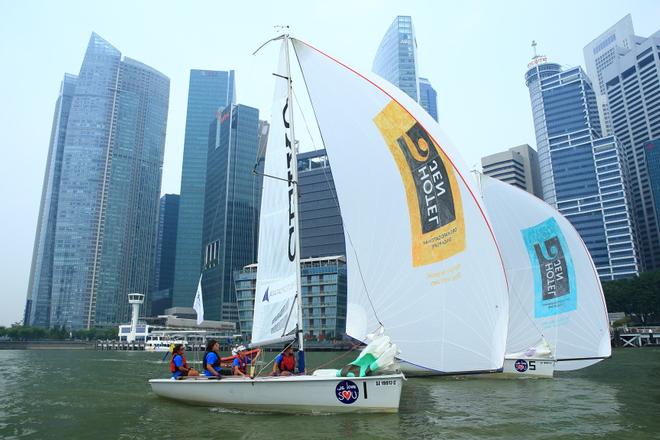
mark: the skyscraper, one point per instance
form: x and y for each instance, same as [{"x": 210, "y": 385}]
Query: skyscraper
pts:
[
  {"x": 37, "y": 308},
  {"x": 518, "y": 166},
  {"x": 396, "y": 58},
  {"x": 321, "y": 228},
  {"x": 428, "y": 98},
  {"x": 231, "y": 206},
  {"x": 583, "y": 174},
  {"x": 632, "y": 83},
  {"x": 107, "y": 203},
  {"x": 163, "y": 282},
  {"x": 653, "y": 164},
  {"x": 601, "y": 53},
  {"x": 208, "y": 91}
]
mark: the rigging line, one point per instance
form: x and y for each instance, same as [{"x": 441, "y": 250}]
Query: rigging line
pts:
[
  {"x": 334, "y": 196},
  {"x": 275, "y": 357}
]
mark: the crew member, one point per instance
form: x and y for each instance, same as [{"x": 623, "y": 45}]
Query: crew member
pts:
[
  {"x": 178, "y": 365},
  {"x": 285, "y": 362},
  {"x": 239, "y": 366},
  {"x": 211, "y": 362}
]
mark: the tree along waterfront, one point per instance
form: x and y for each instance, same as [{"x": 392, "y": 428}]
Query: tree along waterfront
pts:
[
  {"x": 25, "y": 333},
  {"x": 638, "y": 297}
]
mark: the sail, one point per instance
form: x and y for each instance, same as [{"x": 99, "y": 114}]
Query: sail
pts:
[
  {"x": 275, "y": 309},
  {"x": 555, "y": 293},
  {"x": 421, "y": 258}
]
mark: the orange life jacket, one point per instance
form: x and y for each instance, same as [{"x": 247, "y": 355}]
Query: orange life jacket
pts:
[
  {"x": 173, "y": 367},
  {"x": 287, "y": 363}
]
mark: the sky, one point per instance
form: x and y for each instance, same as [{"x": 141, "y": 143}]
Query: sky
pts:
[{"x": 474, "y": 53}]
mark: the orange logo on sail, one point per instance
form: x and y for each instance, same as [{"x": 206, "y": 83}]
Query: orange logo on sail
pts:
[{"x": 434, "y": 201}]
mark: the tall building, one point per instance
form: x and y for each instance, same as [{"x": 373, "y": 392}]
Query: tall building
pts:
[
  {"x": 208, "y": 91},
  {"x": 231, "y": 206},
  {"x": 104, "y": 237},
  {"x": 37, "y": 308},
  {"x": 582, "y": 173},
  {"x": 323, "y": 284},
  {"x": 601, "y": 53},
  {"x": 163, "y": 282},
  {"x": 653, "y": 163},
  {"x": 518, "y": 166},
  {"x": 321, "y": 228},
  {"x": 428, "y": 98},
  {"x": 632, "y": 83},
  {"x": 396, "y": 61}
]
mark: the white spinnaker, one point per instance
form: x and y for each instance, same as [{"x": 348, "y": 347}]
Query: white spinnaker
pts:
[
  {"x": 275, "y": 312},
  {"x": 446, "y": 309},
  {"x": 581, "y": 331}
]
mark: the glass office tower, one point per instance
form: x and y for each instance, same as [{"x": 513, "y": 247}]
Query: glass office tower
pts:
[
  {"x": 163, "y": 281},
  {"x": 583, "y": 174},
  {"x": 428, "y": 98},
  {"x": 208, "y": 91},
  {"x": 231, "y": 206}
]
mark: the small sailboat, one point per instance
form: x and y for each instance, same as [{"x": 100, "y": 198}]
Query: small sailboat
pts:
[
  {"x": 278, "y": 308},
  {"x": 557, "y": 313}
]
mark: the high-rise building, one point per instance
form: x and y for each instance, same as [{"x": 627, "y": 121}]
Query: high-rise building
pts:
[
  {"x": 231, "y": 206},
  {"x": 632, "y": 83},
  {"x": 321, "y": 228},
  {"x": 208, "y": 91},
  {"x": 37, "y": 308},
  {"x": 323, "y": 284},
  {"x": 518, "y": 166},
  {"x": 653, "y": 164},
  {"x": 163, "y": 282},
  {"x": 107, "y": 202},
  {"x": 601, "y": 53},
  {"x": 583, "y": 174},
  {"x": 396, "y": 58},
  {"x": 428, "y": 98}
]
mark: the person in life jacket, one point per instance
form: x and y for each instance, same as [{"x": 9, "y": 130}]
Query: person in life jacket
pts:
[
  {"x": 239, "y": 366},
  {"x": 211, "y": 362},
  {"x": 178, "y": 365},
  {"x": 285, "y": 362}
]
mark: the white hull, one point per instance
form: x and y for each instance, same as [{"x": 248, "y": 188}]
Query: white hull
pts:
[
  {"x": 299, "y": 394},
  {"x": 528, "y": 367}
]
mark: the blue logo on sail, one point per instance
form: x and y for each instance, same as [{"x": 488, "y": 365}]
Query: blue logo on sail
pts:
[
  {"x": 555, "y": 291},
  {"x": 265, "y": 298}
]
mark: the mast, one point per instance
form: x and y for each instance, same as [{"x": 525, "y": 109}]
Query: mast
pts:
[{"x": 296, "y": 224}]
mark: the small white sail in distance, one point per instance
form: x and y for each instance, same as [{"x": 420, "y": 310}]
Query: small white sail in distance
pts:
[
  {"x": 555, "y": 292},
  {"x": 198, "y": 303},
  {"x": 417, "y": 237},
  {"x": 275, "y": 309}
]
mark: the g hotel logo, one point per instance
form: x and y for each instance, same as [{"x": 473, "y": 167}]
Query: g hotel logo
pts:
[{"x": 434, "y": 202}]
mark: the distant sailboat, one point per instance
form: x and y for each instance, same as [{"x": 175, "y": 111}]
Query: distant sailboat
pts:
[{"x": 557, "y": 312}]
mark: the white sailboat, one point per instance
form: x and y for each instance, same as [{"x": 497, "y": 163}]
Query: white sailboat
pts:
[{"x": 558, "y": 317}]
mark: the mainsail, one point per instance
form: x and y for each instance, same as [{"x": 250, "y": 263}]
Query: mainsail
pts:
[
  {"x": 275, "y": 308},
  {"x": 422, "y": 260},
  {"x": 555, "y": 293}
]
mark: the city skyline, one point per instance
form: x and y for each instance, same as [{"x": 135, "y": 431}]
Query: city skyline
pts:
[{"x": 500, "y": 126}]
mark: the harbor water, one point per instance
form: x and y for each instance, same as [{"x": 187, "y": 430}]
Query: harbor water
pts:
[{"x": 74, "y": 394}]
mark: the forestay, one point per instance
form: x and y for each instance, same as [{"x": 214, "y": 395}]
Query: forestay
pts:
[
  {"x": 555, "y": 292},
  {"x": 418, "y": 243},
  {"x": 275, "y": 309}
]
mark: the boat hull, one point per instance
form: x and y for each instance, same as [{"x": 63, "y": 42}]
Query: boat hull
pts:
[
  {"x": 297, "y": 394},
  {"x": 526, "y": 367}
]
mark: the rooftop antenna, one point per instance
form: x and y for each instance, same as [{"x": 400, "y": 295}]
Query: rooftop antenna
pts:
[{"x": 534, "y": 48}]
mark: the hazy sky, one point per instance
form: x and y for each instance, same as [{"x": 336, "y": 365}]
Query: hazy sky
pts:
[{"x": 474, "y": 53}]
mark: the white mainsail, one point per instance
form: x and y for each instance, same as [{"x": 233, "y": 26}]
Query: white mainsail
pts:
[
  {"x": 555, "y": 293},
  {"x": 275, "y": 308},
  {"x": 420, "y": 251}
]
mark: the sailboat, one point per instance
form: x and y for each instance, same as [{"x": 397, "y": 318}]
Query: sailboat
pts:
[{"x": 557, "y": 313}]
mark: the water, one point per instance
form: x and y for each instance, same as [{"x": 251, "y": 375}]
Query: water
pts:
[{"x": 62, "y": 394}]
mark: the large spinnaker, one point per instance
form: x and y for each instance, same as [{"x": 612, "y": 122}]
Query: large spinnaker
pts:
[
  {"x": 419, "y": 248},
  {"x": 275, "y": 309},
  {"x": 555, "y": 292}
]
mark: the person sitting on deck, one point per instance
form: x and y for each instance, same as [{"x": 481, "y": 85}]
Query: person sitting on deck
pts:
[
  {"x": 178, "y": 365},
  {"x": 285, "y": 362},
  {"x": 211, "y": 362},
  {"x": 239, "y": 366}
]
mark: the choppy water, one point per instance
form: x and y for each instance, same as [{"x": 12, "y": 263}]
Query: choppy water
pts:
[{"x": 62, "y": 394}]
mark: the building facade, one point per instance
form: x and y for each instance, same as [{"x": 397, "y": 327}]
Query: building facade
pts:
[
  {"x": 163, "y": 282},
  {"x": 602, "y": 53},
  {"x": 428, "y": 98},
  {"x": 582, "y": 173},
  {"x": 653, "y": 163},
  {"x": 37, "y": 307},
  {"x": 517, "y": 166},
  {"x": 323, "y": 283},
  {"x": 321, "y": 228},
  {"x": 396, "y": 57},
  {"x": 208, "y": 91},
  {"x": 231, "y": 206},
  {"x": 107, "y": 201},
  {"x": 633, "y": 93}
]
